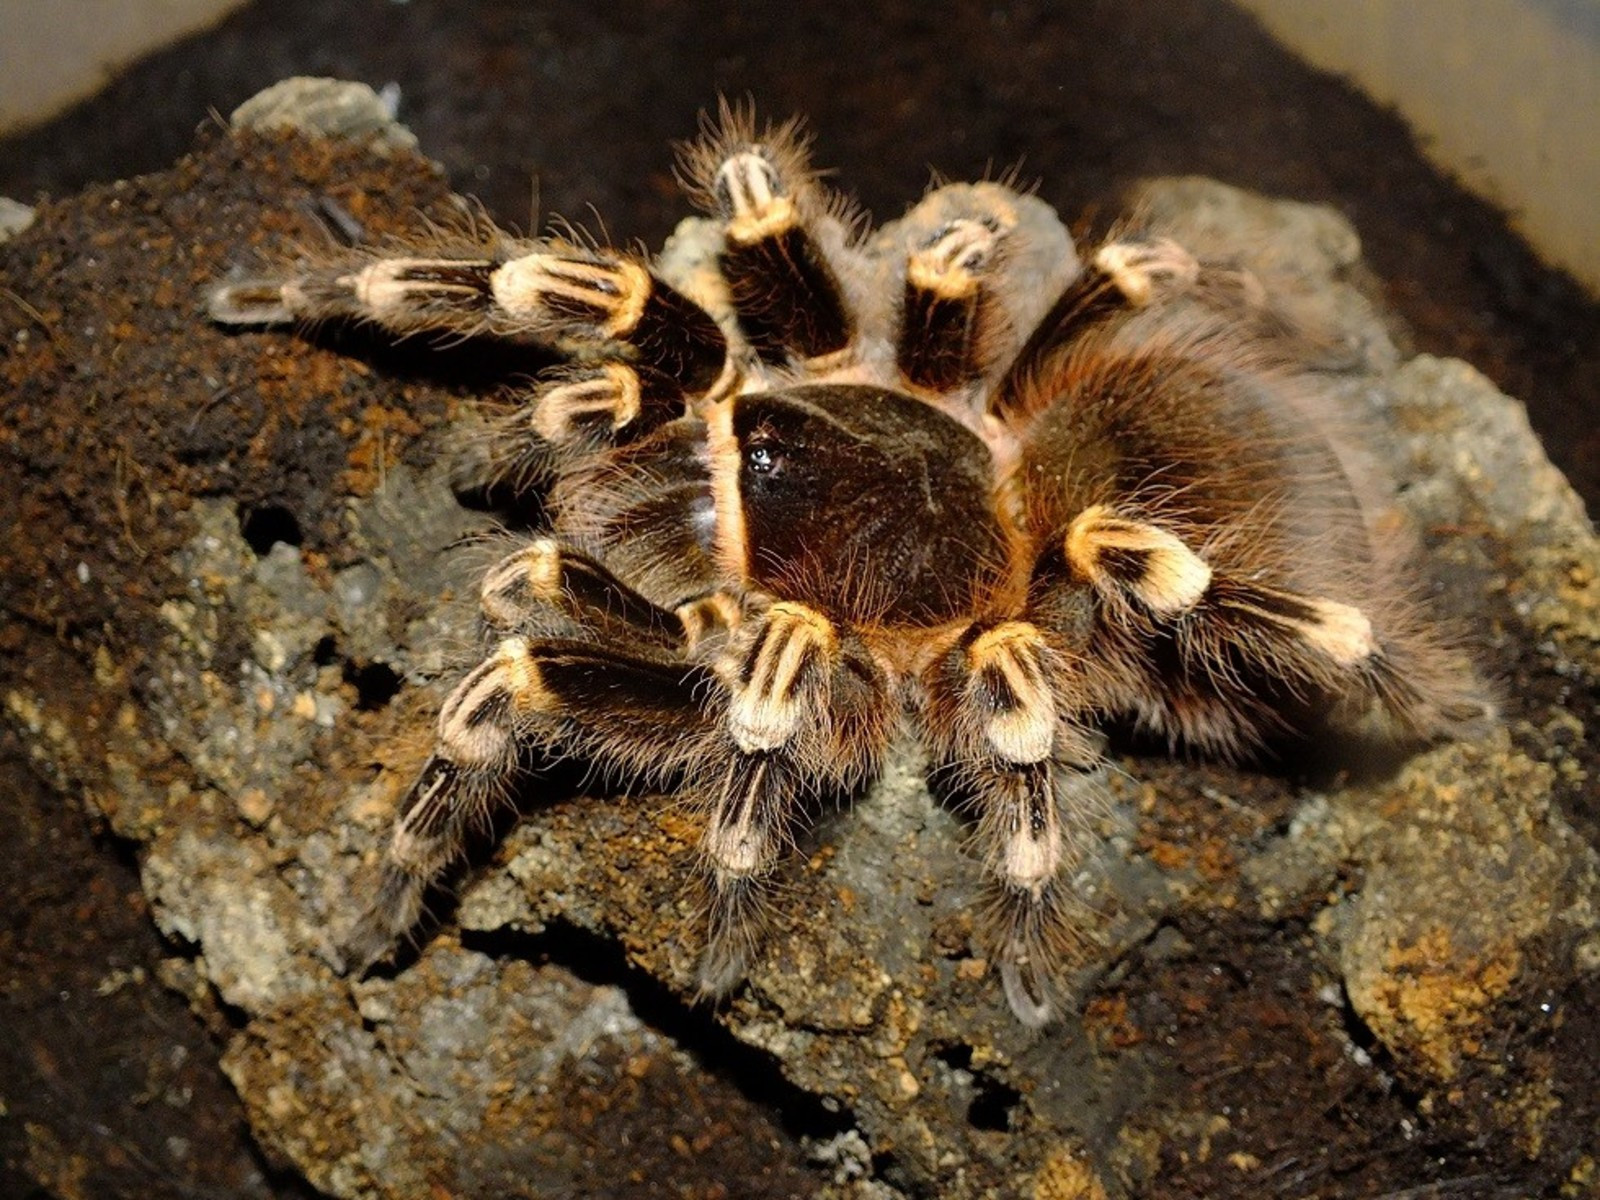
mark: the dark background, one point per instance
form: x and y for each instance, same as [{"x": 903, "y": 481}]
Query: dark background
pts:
[{"x": 578, "y": 103}]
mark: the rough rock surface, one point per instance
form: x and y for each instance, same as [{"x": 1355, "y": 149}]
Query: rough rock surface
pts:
[
  {"x": 14, "y": 218},
  {"x": 329, "y": 107},
  {"x": 236, "y": 588}
]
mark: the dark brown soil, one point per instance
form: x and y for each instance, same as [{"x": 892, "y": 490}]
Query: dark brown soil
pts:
[
  {"x": 111, "y": 1086},
  {"x": 583, "y": 100},
  {"x": 1277, "y": 1062}
]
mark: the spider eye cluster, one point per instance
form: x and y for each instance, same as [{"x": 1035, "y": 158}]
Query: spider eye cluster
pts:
[{"x": 762, "y": 457}]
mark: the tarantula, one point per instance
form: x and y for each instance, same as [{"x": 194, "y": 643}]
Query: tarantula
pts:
[{"x": 825, "y": 484}]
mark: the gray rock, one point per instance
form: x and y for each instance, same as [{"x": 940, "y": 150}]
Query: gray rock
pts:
[
  {"x": 14, "y": 218},
  {"x": 328, "y": 108}
]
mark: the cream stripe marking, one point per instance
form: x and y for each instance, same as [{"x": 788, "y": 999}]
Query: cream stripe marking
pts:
[
  {"x": 1174, "y": 578},
  {"x": 1341, "y": 631},
  {"x": 621, "y": 288},
  {"x": 615, "y": 393},
  {"x": 381, "y": 288},
  {"x": 759, "y": 209},
  {"x": 734, "y": 846},
  {"x": 1137, "y": 267},
  {"x": 765, "y": 712},
  {"x": 949, "y": 267},
  {"x": 538, "y": 566},
  {"x": 1026, "y": 733},
  {"x": 1033, "y": 858},
  {"x": 528, "y": 692},
  {"x": 706, "y": 615},
  {"x": 724, "y": 462}
]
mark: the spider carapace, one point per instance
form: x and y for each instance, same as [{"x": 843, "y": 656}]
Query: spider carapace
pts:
[{"x": 813, "y": 487}]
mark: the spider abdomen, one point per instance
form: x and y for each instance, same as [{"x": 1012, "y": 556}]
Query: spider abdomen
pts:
[{"x": 1203, "y": 540}]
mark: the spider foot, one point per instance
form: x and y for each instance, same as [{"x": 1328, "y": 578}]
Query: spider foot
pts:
[
  {"x": 389, "y": 917},
  {"x": 1035, "y": 935},
  {"x": 735, "y": 917},
  {"x": 1145, "y": 270}
]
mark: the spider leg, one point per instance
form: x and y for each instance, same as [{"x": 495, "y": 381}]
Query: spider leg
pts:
[
  {"x": 1214, "y": 655},
  {"x": 549, "y": 290},
  {"x": 643, "y": 507},
  {"x": 643, "y": 713},
  {"x": 548, "y": 589},
  {"x": 808, "y": 709},
  {"x": 783, "y": 245},
  {"x": 1123, "y": 276},
  {"x": 558, "y": 678},
  {"x": 572, "y": 412},
  {"x": 995, "y": 715},
  {"x": 643, "y": 351},
  {"x": 952, "y": 322}
]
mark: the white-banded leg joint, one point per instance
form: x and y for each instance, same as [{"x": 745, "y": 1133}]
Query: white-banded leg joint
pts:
[
  {"x": 951, "y": 264},
  {"x": 1143, "y": 270},
  {"x": 753, "y": 197}
]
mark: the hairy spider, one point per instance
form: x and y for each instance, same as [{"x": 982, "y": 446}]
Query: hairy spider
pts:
[{"x": 827, "y": 484}]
